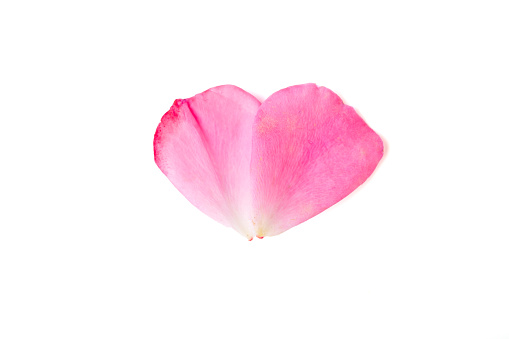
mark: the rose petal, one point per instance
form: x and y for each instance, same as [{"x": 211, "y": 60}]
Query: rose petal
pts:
[
  {"x": 203, "y": 145},
  {"x": 309, "y": 151}
]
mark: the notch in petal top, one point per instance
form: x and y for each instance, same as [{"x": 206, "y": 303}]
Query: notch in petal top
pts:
[
  {"x": 203, "y": 145},
  {"x": 309, "y": 151}
]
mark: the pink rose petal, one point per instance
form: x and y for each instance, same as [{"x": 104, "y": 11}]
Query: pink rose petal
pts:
[
  {"x": 203, "y": 145},
  {"x": 264, "y": 168},
  {"x": 309, "y": 151}
]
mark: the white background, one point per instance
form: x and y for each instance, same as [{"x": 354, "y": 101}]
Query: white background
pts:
[{"x": 96, "y": 243}]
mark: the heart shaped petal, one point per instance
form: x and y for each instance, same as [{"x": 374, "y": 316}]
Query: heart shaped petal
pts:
[
  {"x": 310, "y": 150},
  {"x": 203, "y": 145},
  {"x": 264, "y": 168}
]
